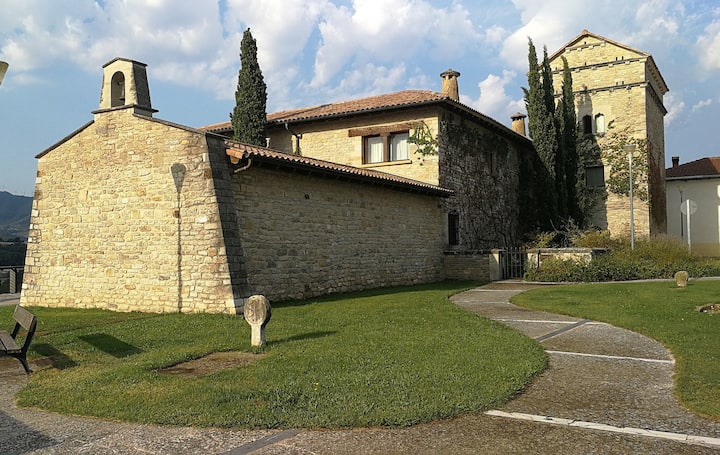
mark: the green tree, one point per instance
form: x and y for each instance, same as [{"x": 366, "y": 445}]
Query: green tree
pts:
[
  {"x": 541, "y": 125},
  {"x": 568, "y": 144},
  {"x": 249, "y": 117},
  {"x": 557, "y": 150}
]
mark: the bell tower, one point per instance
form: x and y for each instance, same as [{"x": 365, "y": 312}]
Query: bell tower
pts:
[{"x": 125, "y": 86}]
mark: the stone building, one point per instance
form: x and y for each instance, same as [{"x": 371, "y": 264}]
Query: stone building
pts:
[
  {"x": 134, "y": 213},
  {"x": 619, "y": 89},
  {"x": 431, "y": 137}
]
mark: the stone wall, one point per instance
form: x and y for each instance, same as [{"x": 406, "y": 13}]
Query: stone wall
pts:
[
  {"x": 304, "y": 235},
  {"x": 484, "y": 171},
  {"x": 330, "y": 141},
  {"x": 469, "y": 265},
  {"x": 125, "y": 217}
]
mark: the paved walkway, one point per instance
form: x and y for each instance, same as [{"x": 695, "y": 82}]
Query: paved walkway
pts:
[{"x": 606, "y": 391}]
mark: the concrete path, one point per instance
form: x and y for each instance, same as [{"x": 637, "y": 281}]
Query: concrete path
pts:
[{"x": 606, "y": 391}]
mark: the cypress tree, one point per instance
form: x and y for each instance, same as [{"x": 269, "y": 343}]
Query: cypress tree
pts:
[
  {"x": 249, "y": 117},
  {"x": 569, "y": 143},
  {"x": 541, "y": 126},
  {"x": 557, "y": 152}
]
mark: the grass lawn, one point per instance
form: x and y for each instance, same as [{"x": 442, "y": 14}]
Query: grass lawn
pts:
[
  {"x": 389, "y": 357},
  {"x": 659, "y": 310}
]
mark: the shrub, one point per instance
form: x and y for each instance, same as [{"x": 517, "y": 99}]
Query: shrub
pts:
[{"x": 655, "y": 257}]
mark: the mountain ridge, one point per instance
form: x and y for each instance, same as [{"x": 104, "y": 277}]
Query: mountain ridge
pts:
[{"x": 14, "y": 215}]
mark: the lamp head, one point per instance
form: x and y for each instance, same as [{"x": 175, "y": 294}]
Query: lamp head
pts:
[{"x": 3, "y": 70}]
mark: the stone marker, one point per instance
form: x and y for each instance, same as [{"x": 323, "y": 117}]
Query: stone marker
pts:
[
  {"x": 681, "y": 278},
  {"x": 257, "y": 314}
]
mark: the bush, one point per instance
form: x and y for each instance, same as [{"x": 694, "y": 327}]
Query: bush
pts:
[{"x": 656, "y": 257}]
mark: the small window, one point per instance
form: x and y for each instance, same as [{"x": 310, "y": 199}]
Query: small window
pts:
[
  {"x": 453, "y": 228},
  {"x": 386, "y": 147},
  {"x": 399, "y": 146},
  {"x": 587, "y": 124},
  {"x": 374, "y": 150},
  {"x": 595, "y": 176},
  {"x": 117, "y": 90},
  {"x": 600, "y": 125}
]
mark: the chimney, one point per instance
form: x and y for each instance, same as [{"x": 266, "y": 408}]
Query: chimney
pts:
[
  {"x": 676, "y": 161},
  {"x": 518, "y": 123},
  {"x": 450, "y": 84}
]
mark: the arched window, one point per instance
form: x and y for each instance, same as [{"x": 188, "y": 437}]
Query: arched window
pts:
[
  {"x": 117, "y": 90},
  {"x": 587, "y": 124},
  {"x": 600, "y": 125}
]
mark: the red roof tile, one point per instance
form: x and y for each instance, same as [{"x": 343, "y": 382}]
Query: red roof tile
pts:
[
  {"x": 704, "y": 167},
  {"x": 240, "y": 150},
  {"x": 391, "y": 100}
]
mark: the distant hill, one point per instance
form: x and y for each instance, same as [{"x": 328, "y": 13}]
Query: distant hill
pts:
[{"x": 14, "y": 215}]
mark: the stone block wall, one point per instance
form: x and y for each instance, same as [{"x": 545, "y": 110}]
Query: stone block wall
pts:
[
  {"x": 125, "y": 217},
  {"x": 304, "y": 235},
  {"x": 484, "y": 171},
  {"x": 330, "y": 141},
  {"x": 624, "y": 86},
  {"x": 468, "y": 265}
]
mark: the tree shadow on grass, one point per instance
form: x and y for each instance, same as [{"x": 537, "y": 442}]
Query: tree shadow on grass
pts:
[
  {"x": 438, "y": 286},
  {"x": 110, "y": 345},
  {"x": 301, "y": 337},
  {"x": 59, "y": 359}
]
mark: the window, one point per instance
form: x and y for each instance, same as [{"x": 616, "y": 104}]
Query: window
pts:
[
  {"x": 600, "y": 125},
  {"x": 399, "y": 146},
  {"x": 595, "y": 176},
  {"x": 386, "y": 147},
  {"x": 453, "y": 228},
  {"x": 374, "y": 152},
  {"x": 587, "y": 124}
]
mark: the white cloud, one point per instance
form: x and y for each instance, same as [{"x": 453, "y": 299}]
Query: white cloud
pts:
[
  {"x": 708, "y": 46},
  {"x": 675, "y": 107},
  {"x": 627, "y": 22},
  {"x": 494, "y": 100},
  {"x": 702, "y": 104},
  {"x": 366, "y": 32},
  {"x": 495, "y": 34}
]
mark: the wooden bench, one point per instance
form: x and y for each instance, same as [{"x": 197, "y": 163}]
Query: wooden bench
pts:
[{"x": 8, "y": 344}]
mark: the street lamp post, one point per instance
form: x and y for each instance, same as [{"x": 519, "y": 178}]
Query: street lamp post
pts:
[{"x": 630, "y": 149}]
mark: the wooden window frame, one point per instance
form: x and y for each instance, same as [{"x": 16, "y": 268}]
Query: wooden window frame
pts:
[{"x": 386, "y": 139}]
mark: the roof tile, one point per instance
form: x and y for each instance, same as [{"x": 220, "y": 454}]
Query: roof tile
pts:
[
  {"x": 704, "y": 167},
  {"x": 390, "y": 100},
  {"x": 241, "y": 150}
]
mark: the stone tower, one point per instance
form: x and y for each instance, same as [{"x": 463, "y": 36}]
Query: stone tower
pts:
[
  {"x": 619, "y": 89},
  {"x": 125, "y": 85}
]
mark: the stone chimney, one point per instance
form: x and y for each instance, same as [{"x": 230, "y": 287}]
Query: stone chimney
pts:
[
  {"x": 125, "y": 85},
  {"x": 518, "y": 123},
  {"x": 450, "y": 84},
  {"x": 676, "y": 161}
]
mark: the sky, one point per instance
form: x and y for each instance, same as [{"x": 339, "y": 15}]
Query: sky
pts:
[{"x": 313, "y": 52}]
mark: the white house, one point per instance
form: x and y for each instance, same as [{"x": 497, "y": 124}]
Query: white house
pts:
[{"x": 695, "y": 185}]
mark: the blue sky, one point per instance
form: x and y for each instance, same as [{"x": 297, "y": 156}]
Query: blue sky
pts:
[{"x": 318, "y": 51}]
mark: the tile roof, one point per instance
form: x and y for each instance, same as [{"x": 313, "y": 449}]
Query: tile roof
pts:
[
  {"x": 380, "y": 102},
  {"x": 326, "y": 168},
  {"x": 390, "y": 101},
  {"x": 702, "y": 168}
]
